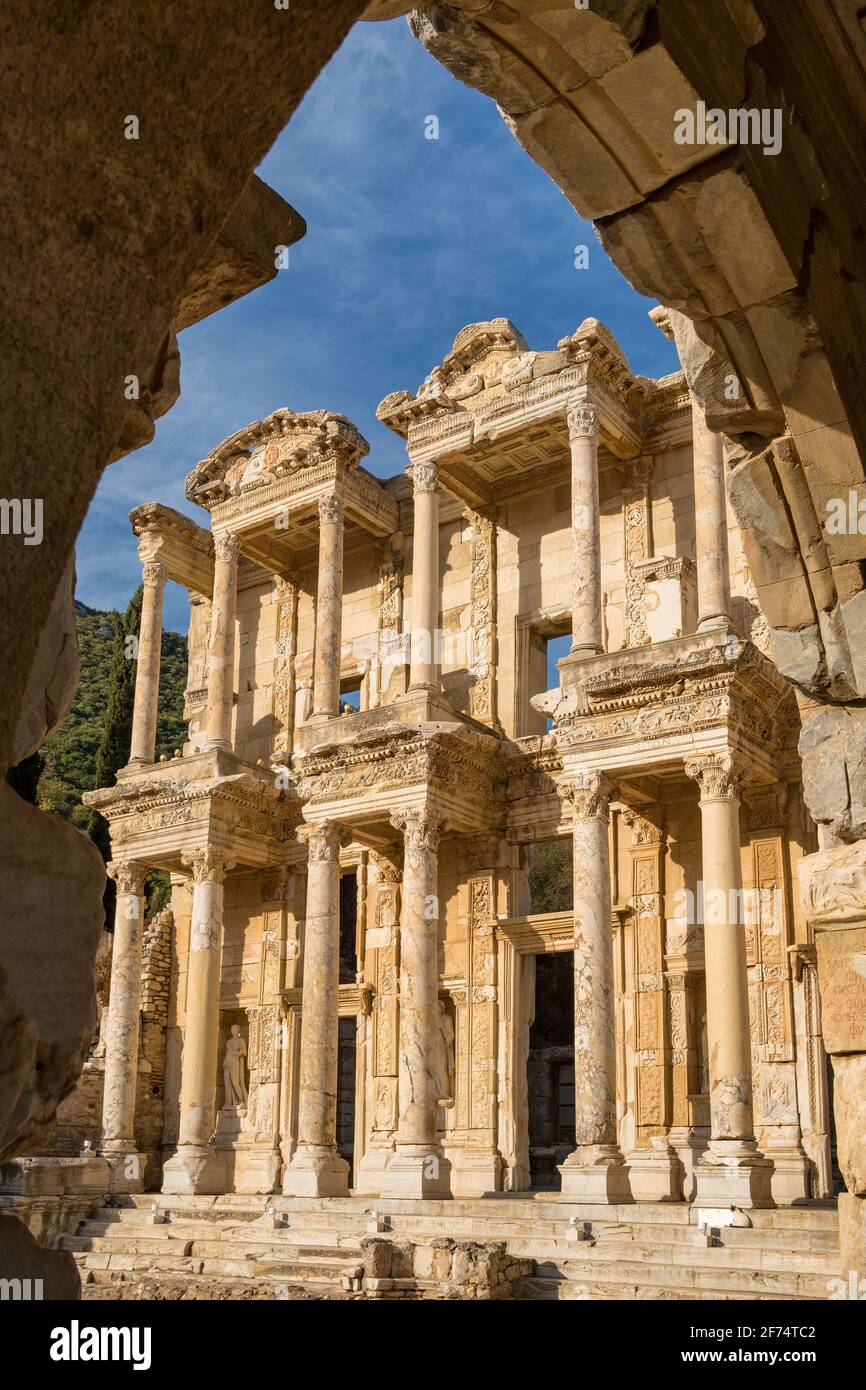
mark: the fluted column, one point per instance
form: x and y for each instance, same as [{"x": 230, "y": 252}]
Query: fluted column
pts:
[
  {"x": 144, "y": 711},
  {"x": 417, "y": 1168},
  {"x": 317, "y": 1170},
  {"x": 732, "y": 1170},
  {"x": 195, "y": 1167},
  {"x": 711, "y": 524},
  {"x": 329, "y": 609},
  {"x": 221, "y": 648},
  {"x": 595, "y": 1171},
  {"x": 123, "y": 1029},
  {"x": 586, "y": 605},
  {"x": 424, "y": 652}
]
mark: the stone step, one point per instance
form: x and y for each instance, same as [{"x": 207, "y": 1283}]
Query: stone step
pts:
[
  {"x": 345, "y": 1227},
  {"x": 548, "y": 1290},
  {"x": 127, "y": 1244},
  {"x": 818, "y": 1262},
  {"x": 702, "y": 1281},
  {"x": 121, "y": 1231}
]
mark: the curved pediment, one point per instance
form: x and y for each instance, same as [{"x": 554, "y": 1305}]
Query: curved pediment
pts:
[{"x": 285, "y": 442}]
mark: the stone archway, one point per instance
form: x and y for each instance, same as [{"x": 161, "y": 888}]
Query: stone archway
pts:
[{"x": 120, "y": 245}]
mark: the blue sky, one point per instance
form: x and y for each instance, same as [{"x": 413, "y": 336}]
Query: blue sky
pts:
[{"x": 408, "y": 240}]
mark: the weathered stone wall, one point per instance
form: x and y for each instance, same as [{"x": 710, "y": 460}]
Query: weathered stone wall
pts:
[{"x": 440, "y": 1269}]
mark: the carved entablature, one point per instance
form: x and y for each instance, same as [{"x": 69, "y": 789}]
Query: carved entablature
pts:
[
  {"x": 380, "y": 773},
  {"x": 158, "y": 818},
  {"x": 491, "y": 386},
  {"x": 661, "y": 701},
  {"x": 184, "y": 551},
  {"x": 535, "y": 769}
]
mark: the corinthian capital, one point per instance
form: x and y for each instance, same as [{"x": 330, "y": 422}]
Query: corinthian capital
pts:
[
  {"x": 421, "y": 829},
  {"x": 323, "y": 841},
  {"x": 590, "y": 794},
  {"x": 582, "y": 420},
  {"x": 128, "y": 875},
  {"x": 330, "y": 508},
  {"x": 719, "y": 776},
  {"x": 425, "y": 477},
  {"x": 226, "y": 547},
  {"x": 153, "y": 574},
  {"x": 208, "y": 864}
]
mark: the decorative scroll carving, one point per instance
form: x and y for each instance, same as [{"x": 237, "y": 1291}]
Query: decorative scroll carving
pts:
[
  {"x": 286, "y": 591},
  {"x": 718, "y": 775},
  {"x": 421, "y": 829},
  {"x": 128, "y": 875},
  {"x": 590, "y": 794},
  {"x": 331, "y": 509},
  {"x": 153, "y": 575},
  {"x": 646, "y": 825},
  {"x": 582, "y": 421},
  {"x": 208, "y": 864},
  {"x": 637, "y": 515},
  {"x": 226, "y": 547},
  {"x": 323, "y": 840},
  {"x": 425, "y": 477},
  {"x": 483, "y": 615}
]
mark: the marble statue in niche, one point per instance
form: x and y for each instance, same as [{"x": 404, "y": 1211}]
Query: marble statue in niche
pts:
[{"x": 234, "y": 1071}]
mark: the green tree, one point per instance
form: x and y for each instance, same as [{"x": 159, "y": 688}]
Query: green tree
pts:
[
  {"x": 550, "y": 875},
  {"x": 113, "y": 750}
]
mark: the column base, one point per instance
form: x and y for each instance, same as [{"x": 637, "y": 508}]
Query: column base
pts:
[
  {"x": 719, "y": 623},
  {"x": 370, "y": 1177},
  {"x": 125, "y": 1168},
  {"x": 194, "y": 1171},
  {"x": 595, "y": 1173},
  {"x": 790, "y": 1184},
  {"x": 316, "y": 1171},
  {"x": 475, "y": 1172},
  {"x": 256, "y": 1170},
  {"x": 417, "y": 1170},
  {"x": 655, "y": 1174},
  {"x": 689, "y": 1143},
  {"x": 733, "y": 1173}
]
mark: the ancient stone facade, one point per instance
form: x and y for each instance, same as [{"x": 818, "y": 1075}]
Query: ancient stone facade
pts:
[{"x": 354, "y": 946}]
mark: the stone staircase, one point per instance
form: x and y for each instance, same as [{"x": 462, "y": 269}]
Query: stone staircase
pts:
[{"x": 229, "y": 1247}]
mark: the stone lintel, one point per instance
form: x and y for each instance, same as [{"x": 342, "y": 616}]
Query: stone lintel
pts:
[{"x": 176, "y": 542}]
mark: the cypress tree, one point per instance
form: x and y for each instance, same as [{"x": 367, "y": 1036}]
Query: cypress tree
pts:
[{"x": 113, "y": 751}]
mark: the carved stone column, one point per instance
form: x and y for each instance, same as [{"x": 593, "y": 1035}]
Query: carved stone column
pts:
[
  {"x": 731, "y": 1171},
  {"x": 595, "y": 1171},
  {"x": 196, "y": 1167},
  {"x": 329, "y": 609},
  {"x": 221, "y": 648},
  {"x": 317, "y": 1170},
  {"x": 418, "y": 1168},
  {"x": 586, "y": 632},
  {"x": 144, "y": 711},
  {"x": 711, "y": 524},
  {"x": 381, "y": 955},
  {"x": 654, "y": 1169},
  {"x": 122, "y": 1033},
  {"x": 424, "y": 664}
]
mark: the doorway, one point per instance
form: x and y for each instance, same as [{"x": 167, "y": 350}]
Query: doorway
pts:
[{"x": 550, "y": 1070}]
